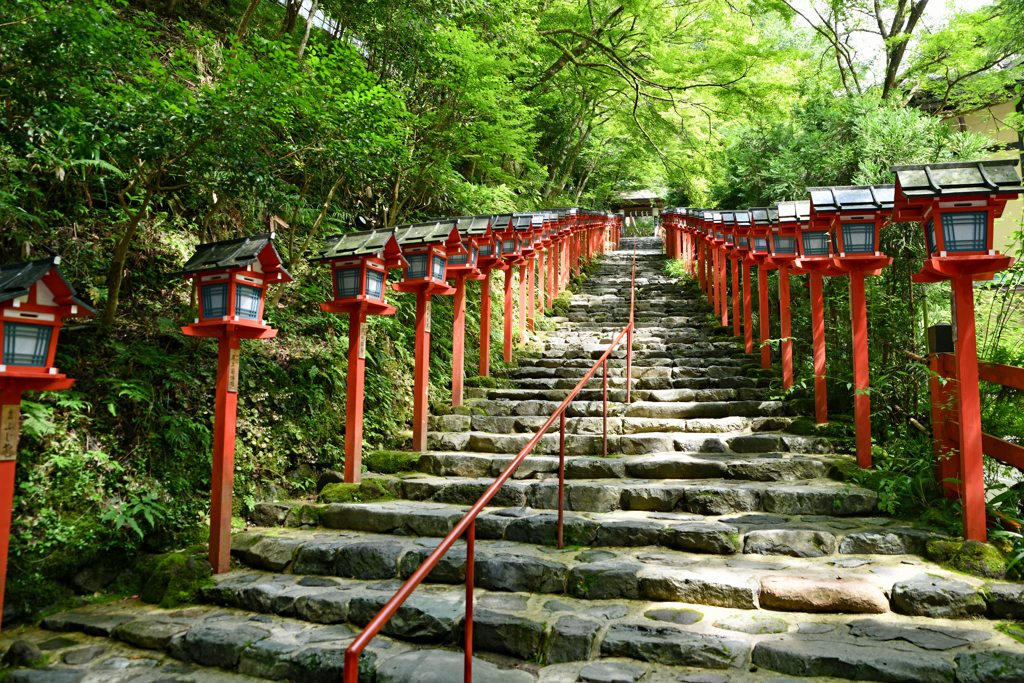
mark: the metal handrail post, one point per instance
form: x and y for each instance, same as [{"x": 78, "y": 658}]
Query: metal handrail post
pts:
[
  {"x": 604, "y": 411},
  {"x": 470, "y": 561},
  {"x": 561, "y": 476}
]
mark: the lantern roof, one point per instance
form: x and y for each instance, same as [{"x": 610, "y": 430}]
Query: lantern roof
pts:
[
  {"x": 364, "y": 243},
  {"x": 429, "y": 232},
  {"x": 537, "y": 221},
  {"x": 742, "y": 218},
  {"x": 474, "y": 226},
  {"x": 856, "y": 198},
  {"x": 995, "y": 176},
  {"x": 728, "y": 217},
  {"x": 16, "y": 280},
  {"x": 522, "y": 221},
  {"x": 793, "y": 212},
  {"x": 716, "y": 216},
  {"x": 759, "y": 215},
  {"x": 500, "y": 222},
  {"x": 235, "y": 254}
]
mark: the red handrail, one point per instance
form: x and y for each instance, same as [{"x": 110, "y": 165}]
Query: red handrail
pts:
[{"x": 467, "y": 524}]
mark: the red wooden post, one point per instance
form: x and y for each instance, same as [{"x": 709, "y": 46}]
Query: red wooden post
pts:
[
  {"x": 354, "y": 397},
  {"x": 715, "y": 283},
  {"x": 522, "y": 302},
  {"x": 507, "y": 348},
  {"x": 458, "y": 340},
  {"x": 467, "y": 671},
  {"x": 748, "y": 314},
  {"x": 10, "y": 416},
  {"x": 818, "y": 334},
  {"x": 552, "y": 283},
  {"x": 724, "y": 287},
  {"x": 763, "y": 315},
  {"x": 225, "y": 413},
  {"x": 532, "y": 308},
  {"x": 947, "y": 459},
  {"x": 421, "y": 373},
  {"x": 485, "y": 325},
  {"x": 786, "y": 330},
  {"x": 969, "y": 408},
  {"x": 861, "y": 399},
  {"x": 735, "y": 296}
]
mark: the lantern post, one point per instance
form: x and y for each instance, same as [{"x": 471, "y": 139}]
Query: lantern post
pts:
[
  {"x": 721, "y": 286},
  {"x": 957, "y": 204},
  {"x": 231, "y": 279},
  {"x": 34, "y": 301},
  {"x": 475, "y": 232},
  {"x": 760, "y": 254},
  {"x": 511, "y": 255},
  {"x": 359, "y": 264},
  {"x": 782, "y": 242},
  {"x": 695, "y": 223},
  {"x": 489, "y": 259},
  {"x": 854, "y": 217},
  {"x": 743, "y": 250},
  {"x": 733, "y": 250},
  {"x": 426, "y": 248}
]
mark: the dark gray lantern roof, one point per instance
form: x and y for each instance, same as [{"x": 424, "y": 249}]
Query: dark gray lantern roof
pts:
[
  {"x": 474, "y": 226},
  {"x": 959, "y": 178},
  {"x": 852, "y": 198},
  {"x": 232, "y": 254},
  {"x": 428, "y": 232},
  {"x": 16, "y": 280},
  {"x": 728, "y": 217},
  {"x": 522, "y": 221},
  {"x": 742, "y": 219},
  {"x": 499, "y": 222},
  {"x": 350, "y": 244},
  {"x": 759, "y": 216},
  {"x": 794, "y": 212}
]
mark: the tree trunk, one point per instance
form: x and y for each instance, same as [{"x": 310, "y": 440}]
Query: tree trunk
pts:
[
  {"x": 291, "y": 14},
  {"x": 309, "y": 25},
  {"x": 243, "y": 25},
  {"x": 116, "y": 273}
]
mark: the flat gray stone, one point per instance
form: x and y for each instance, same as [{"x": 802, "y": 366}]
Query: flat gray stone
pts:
[
  {"x": 925, "y": 638},
  {"x": 543, "y": 530},
  {"x": 819, "y": 500},
  {"x": 894, "y": 541},
  {"x": 604, "y": 581},
  {"x": 830, "y": 658},
  {"x": 149, "y": 634},
  {"x": 671, "y": 646},
  {"x": 995, "y": 666},
  {"x": 219, "y": 646},
  {"x": 721, "y": 499},
  {"x": 595, "y": 468},
  {"x": 507, "y": 634},
  {"x": 46, "y": 675},
  {"x": 324, "y": 607},
  {"x": 753, "y": 624},
  {"x": 607, "y": 612},
  {"x": 451, "y": 568},
  {"x": 442, "y": 666},
  {"x": 814, "y": 628},
  {"x": 1005, "y": 601},
  {"x": 90, "y": 623},
  {"x": 519, "y": 573},
  {"x": 703, "y": 537},
  {"x": 571, "y": 640},
  {"x": 932, "y": 596},
  {"x": 420, "y": 619},
  {"x": 628, "y": 533},
  {"x": 683, "y": 617},
  {"x": 704, "y": 678},
  {"x": 757, "y": 520},
  {"x": 611, "y": 672},
  {"x": 269, "y": 552},
  {"x": 368, "y": 560},
  {"x": 502, "y": 601},
  {"x": 789, "y": 542},
  {"x": 700, "y": 587},
  {"x": 267, "y": 659}
]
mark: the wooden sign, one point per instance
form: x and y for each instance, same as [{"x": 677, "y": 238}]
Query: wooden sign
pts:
[
  {"x": 362, "y": 340},
  {"x": 10, "y": 428},
  {"x": 233, "y": 359},
  {"x": 426, "y": 315}
]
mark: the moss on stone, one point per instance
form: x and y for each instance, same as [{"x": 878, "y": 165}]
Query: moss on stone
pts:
[
  {"x": 970, "y": 557},
  {"x": 1015, "y": 631},
  {"x": 371, "y": 489},
  {"x": 176, "y": 580},
  {"x": 391, "y": 462},
  {"x": 806, "y": 426},
  {"x": 481, "y": 382}
]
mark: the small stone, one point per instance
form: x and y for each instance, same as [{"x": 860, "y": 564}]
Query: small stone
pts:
[
  {"x": 851, "y": 563},
  {"x": 936, "y": 597},
  {"x": 46, "y": 676},
  {"x": 789, "y": 542},
  {"x": 608, "y": 612},
  {"x": 994, "y": 666},
  {"x": 558, "y": 606},
  {"x": 517, "y": 573},
  {"x": 842, "y": 660},
  {"x": 57, "y": 643},
  {"x": 219, "y": 646},
  {"x": 813, "y": 628},
  {"x": 507, "y": 634},
  {"x": 604, "y": 581},
  {"x": 928, "y": 638},
  {"x": 504, "y": 602},
  {"x": 83, "y": 656},
  {"x": 886, "y": 542},
  {"x": 442, "y": 666},
  {"x": 700, "y": 587},
  {"x": 704, "y": 678},
  {"x": 542, "y": 530},
  {"x": 428, "y": 618},
  {"x": 754, "y": 625},
  {"x": 675, "y": 516},
  {"x": 316, "y": 582},
  {"x": 796, "y": 594},
  {"x": 629, "y": 533},
  {"x": 93, "y": 624},
  {"x": 23, "y": 653},
  {"x": 761, "y": 520},
  {"x": 703, "y": 537},
  {"x": 571, "y": 640},
  {"x": 611, "y": 672},
  {"x": 1005, "y": 601},
  {"x": 666, "y": 560},
  {"x": 118, "y": 663},
  {"x": 671, "y": 646},
  {"x": 592, "y": 556},
  {"x": 683, "y": 617}
]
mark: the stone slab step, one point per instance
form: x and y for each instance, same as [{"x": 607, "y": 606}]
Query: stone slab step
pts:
[{"x": 595, "y": 425}]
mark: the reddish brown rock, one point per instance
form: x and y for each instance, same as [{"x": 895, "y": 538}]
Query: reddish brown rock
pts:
[{"x": 795, "y": 594}]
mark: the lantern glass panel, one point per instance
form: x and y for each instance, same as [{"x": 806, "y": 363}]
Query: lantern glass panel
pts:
[
  {"x": 346, "y": 282},
  {"x": 929, "y": 233},
  {"x": 438, "y": 272},
  {"x": 965, "y": 230},
  {"x": 417, "y": 266},
  {"x": 215, "y": 300},
  {"x": 247, "y": 301},
  {"x": 487, "y": 250},
  {"x": 374, "y": 283},
  {"x": 743, "y": 241},
  {"x": 784, "y": 244},
  {"x": 728, "y": 239},
  {"x": 760, "y": 244},
  {"x": 815, "y": 243},
  {"x": 719, "y": 236},
  {"x": 473, "y": 255},
  {"x": 859, "y": 238},
  {"x": 508, "y": 246},
  {"x": 458, "y": 259},
  {"x": 26, "y": 344}
]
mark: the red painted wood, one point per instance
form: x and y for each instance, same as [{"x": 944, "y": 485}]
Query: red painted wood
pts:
[
  {"x": 421, "y": 375},
  {"x": 8, "y": 397},
  {"x": 458, "y": 340},
  {"x": 736, "y": 319},
  {"x": 522, "y": 303},
  {"x": 786, "y": 328},
  {"x": 507, "y": 348},
  {"x": 861, "y": 377},
  {"x": 225, "y": 412},
  {"x": 762, "y": 315},
  {"x": 723, "y": 284},
  {"x": 1007, "y": 375},
  {"x": 354, "y": 402},
  {"x": 552, "y": 285},
  {"x": 947, "y": 462},
  {"x": 485, "y": 326},
  {"x": 532, "y": 309},
  {"x": 716, "y": 285},
  {"x": 467, "y": 671},
  {"x": 748, "y": 313},
  {"x": 818, "y": 335},
  {"x": 969, "y": 407},
  {"x": 700, "y": 266}
]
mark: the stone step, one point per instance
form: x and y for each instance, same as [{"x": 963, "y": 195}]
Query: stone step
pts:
[
  {"x": 775, "y": 411},
  {"x": 592, "y": 425},
  {"x": 639, "y": 394}
]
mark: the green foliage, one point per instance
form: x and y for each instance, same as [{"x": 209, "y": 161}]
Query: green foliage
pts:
[
  {"x": 175, "y": 580},
  {"x": 969, "y": 557}
]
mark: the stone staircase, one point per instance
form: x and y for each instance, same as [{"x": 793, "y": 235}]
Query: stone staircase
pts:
[{"x": 710, "y": 546}]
